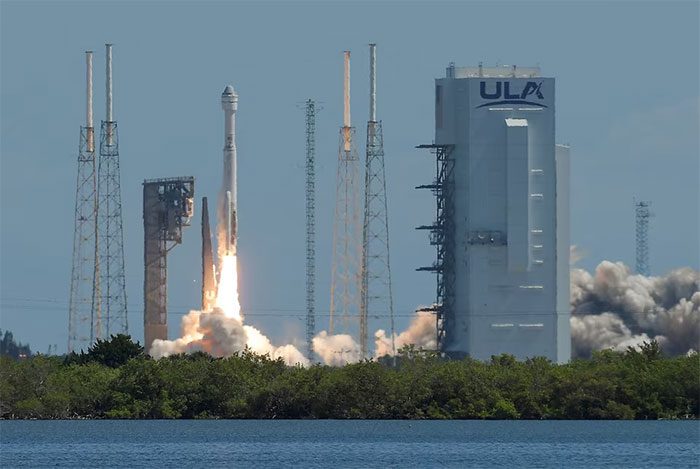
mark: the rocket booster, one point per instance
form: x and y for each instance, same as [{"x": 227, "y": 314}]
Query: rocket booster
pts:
[{"x": 229, "y": 104}]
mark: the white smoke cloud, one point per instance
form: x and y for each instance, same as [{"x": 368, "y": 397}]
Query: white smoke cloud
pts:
[
  {"x": 614, "y": 308},
  {"x": 599, "y": 332},
  {"x": 341, "y": 349},
  {"x": 222, "y": 336},
  {"x": 421, "y": 332},
  {"x": 336, "y": 350}
]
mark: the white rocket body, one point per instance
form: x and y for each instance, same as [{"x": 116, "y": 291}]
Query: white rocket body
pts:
[{"x": 229, "y": 104}]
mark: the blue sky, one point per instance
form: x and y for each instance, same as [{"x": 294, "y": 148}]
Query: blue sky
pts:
[{"x": 627, "y": 102}]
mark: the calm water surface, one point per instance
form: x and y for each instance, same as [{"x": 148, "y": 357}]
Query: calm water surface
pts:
[{"x": 331, "y": 443}]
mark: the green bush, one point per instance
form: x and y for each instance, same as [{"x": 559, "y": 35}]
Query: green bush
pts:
[{"x": 114, "y": 379}]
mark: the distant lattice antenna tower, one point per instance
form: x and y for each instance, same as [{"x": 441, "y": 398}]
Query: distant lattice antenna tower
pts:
[
  {"x": 376, "y": 292},
  {"x": 310, "y": 111},
  {"x": 81, "y": 321},
  {"x": 642, "y": 216},
  {"x": 109, "y": 293},
  {"x": 347, "y": 232}
]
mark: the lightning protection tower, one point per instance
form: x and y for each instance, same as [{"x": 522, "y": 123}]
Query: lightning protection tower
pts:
[
  {"x": 376, "y": 294},
  {"x": 310, "y": 111},
  {"x": 642, "y": 216},
  {"x": 82, "y": 325},
  {"x": 109, "y": 292},
  {"x": 347, "y": 232}
]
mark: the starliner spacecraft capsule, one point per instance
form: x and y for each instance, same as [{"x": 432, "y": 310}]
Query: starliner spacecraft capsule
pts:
[{"x": 229, "y": 104}]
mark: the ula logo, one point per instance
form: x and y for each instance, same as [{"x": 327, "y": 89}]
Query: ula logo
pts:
[{"x": 502, "y": 91}]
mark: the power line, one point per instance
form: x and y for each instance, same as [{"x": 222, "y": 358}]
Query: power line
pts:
[{"x": 292, "y": 312}]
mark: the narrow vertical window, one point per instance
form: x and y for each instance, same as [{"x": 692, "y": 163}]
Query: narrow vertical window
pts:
[{"x": 438, "y": 106}]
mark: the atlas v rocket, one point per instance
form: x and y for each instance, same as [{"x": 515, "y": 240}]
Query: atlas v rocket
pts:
[
  {"x": 229, "y": 104},
  {"x": 227, "y": 220}
]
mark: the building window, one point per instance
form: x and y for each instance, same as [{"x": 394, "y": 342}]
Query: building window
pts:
[{"x": 438, "y": 106}]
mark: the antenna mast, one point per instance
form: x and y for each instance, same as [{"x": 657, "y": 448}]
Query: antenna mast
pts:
[
  {"x": 642, "y": 216},
  {"x": 310, "y": 110}
]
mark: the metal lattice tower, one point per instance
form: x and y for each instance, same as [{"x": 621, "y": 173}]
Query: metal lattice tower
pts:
[
  {"x": 442, "y": 236},
  {"x": 642, "y": 216},
  {"x": 347, "y": 232},
  {"x": 376, "y": 292},
  {"x": 310, "y": 111},
  {"x": 109, "y": 292},
  {"x": 81, "y": 322}
]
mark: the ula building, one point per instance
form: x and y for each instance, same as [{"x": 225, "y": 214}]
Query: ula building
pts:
[{"x": 502, "y": 225}]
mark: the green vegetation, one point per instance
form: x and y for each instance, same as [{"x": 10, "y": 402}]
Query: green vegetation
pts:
[
  {"x": 114, "y": 379},
  {"x": 10, "y": 348}
]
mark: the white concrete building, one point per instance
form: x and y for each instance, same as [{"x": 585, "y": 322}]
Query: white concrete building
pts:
[{"x": 507, "y": 267}]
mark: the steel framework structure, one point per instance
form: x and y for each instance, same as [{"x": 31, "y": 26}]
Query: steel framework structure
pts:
[
  {"x": 642, "y": 216},
  {"x": 442, "y": 236},
  {"x": 310, "y": 111},
  {"x": 347, "y": 231},
  {"x": 82, "y": 324},
  {"x": 347, "y": 246},
  {"x": 167, "y": 208},
  {"x": 109, "y": 291},
  {"x": 376, "y": 289}
]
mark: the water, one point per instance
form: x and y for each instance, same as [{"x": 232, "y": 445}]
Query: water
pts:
[{"x": 332, "y": 443}]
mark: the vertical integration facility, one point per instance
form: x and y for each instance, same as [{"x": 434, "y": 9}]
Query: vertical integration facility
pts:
[{"x": 502, "y": 227}]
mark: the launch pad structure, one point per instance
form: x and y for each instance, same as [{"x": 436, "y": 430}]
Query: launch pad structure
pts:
[
  {"x": 109, "y": 291},
  {"x": 442, "y": 236},
  {"x": 98, "y": 306},
  {"x": 347, "y": 230},
  {"x": 82, "y": 325},
  {"x": 168, "y": 205},
  {"x": 376, "y": 297}
]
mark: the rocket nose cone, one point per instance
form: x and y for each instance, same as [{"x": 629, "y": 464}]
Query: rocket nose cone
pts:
[{"x": 228, "y": 90}]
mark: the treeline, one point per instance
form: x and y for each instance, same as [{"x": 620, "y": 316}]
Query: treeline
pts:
[
  {"x": 114, "y": 379},
  {"x": 10, "y": 348}
]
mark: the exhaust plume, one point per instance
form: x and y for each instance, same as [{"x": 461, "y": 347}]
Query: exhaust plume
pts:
[
  {"x": 220, "y": 335},
  {"x": 336, "y": 350},
  {"x": 220, "y": 332},
  {"x": 614, "y": 308},
  {"x": 421, "y": 333}
]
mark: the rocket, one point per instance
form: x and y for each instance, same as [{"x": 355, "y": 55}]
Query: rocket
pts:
[
  {"x": 229, "y": 104},
  {"x": 208, "y": 270}
]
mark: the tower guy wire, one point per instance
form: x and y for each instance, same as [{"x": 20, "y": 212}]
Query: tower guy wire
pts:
[
  {"x": 81, "y": 322},
  {"x": 347, "y": 232},
  {"x": 376, "y": 289}
]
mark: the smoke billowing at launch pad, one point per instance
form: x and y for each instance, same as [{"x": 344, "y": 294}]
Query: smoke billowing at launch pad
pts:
[
  {"x": 614, "y": 308},
  {"x": 610, "y": 308}
]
